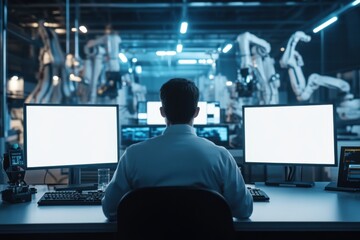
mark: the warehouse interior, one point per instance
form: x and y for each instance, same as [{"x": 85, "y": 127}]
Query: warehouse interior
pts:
[{"x": 146, "y": 37}]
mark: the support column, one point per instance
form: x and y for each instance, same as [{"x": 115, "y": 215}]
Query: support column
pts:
[{"x": 3, "y": 76}]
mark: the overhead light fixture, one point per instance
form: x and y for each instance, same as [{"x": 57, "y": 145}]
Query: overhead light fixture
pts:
[
  {"x": 83, "y": 29},
  {"x": 60, "y": 30},
  {"x": 53, "y": 25},
  {"x": 183, "y": 27},
  {"x": 138, "y": 69},
  {"x": 165, "y": 53},
  {"x": 355, "y": 2},
  {"x": 134, "y": 60},
  {"x": 206, "y": 61},
  {"x": 187, "y": 61},
  {"x": 179, "y": 48},
  {"x": 325, "y": 24},
  {"x": 123, "y": 58},
  {"x": 282, "y": 49},
  {"x": 227, "y": 48},
  {"x": 229, "y": 83}
]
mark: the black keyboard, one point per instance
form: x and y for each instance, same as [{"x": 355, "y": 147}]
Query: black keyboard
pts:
[
  {"x": 71, "y": 198},
  {"x": 258, "y": 195}
]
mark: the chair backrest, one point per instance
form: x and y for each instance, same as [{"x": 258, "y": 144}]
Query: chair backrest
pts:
[{"x": 174, "y": 213}]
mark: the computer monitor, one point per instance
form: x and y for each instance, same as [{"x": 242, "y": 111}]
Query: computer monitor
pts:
[
  {"x": 218, "y": 134},
  {"x": 154, "y": 116},
  {"x": 70, "y": 135},
  {"x": 291, "y": 135},
  {"x": 141, "y": 112},
  {"x": 213, "y": 112},
  {"x": 131, "y": 134}
]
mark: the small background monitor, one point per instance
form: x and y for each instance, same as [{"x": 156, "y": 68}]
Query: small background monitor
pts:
[
  {"x": 218, "y": 134},
  {"x": 131, "y": 134},
  {"x": 154, "y": 116},
  {"x": 213, "y": 112}
]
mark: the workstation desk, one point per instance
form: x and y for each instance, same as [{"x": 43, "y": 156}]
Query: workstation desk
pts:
[{"x": 290, "y": 210}]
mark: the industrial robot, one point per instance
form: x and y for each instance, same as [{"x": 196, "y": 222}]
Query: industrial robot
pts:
[
  {"x": 256, "y": 75},
  {"x": 53, "y": 84},
  {"x": 257, "y": 71},
  {"x": 348, "y": 109},
  {"x": 103, "y": 65}
]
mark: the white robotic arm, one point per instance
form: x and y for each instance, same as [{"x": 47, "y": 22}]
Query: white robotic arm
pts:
[
  {"x": 255, "y": 57},
  {"x": 292, "y": 60}
]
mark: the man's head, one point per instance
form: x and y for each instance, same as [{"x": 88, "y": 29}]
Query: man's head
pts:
[{"x": 179, "y": 98}]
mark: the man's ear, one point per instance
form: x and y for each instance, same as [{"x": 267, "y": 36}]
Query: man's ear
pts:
[
  {"x": 197, "y": 110},
  {"x": 162, "y": 112}
]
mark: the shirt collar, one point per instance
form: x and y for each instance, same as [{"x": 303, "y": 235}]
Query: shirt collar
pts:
[{"x": 179, "y": 129}]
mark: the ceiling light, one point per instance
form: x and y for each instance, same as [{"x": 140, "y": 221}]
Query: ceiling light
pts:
[
  {"x": 187, "y": 61},
  {"x": 179, "y": 47},
  {"x": 123, "y": 58},
  {"x": 183, "y": 27},
  {"x": 165, "y": 53},
  {"x": 282, "y": 49},
  {"x": 83, "y": 29},
  {"x": 73, "y": 29},
  {"x": 227, "y": 48},
  {"x": 134, "y": 60},
  {"x": 60, "y": 31},
  {"x": 355, "y": 2},
  {"x": 54, "y": 25},
  {"x": 325, "y": 24},
  {"x": 138, "y": 69},
  {"x": 228, "y": 83}
]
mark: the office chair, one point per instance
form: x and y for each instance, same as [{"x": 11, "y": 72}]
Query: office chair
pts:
[{"x": 174, "y": 213}]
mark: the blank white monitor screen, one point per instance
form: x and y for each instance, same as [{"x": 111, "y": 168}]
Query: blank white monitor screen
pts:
[
  {"x": 76, "y": 135},
  {"x": 154, "y": 116},
  {"x": 290, "y": 135}
]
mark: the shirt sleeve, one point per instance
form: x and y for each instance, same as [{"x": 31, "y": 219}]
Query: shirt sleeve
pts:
[
  {"x": 235, "y": 191},
  {"x": 116, "y": 189}
]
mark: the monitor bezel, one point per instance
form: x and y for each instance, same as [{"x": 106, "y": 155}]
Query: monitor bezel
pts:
[
  {"x": 335, "y": 164},
  {"x": 98, "y": 165}
]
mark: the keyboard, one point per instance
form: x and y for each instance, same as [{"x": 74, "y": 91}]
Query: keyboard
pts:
[
  {"x": 71, "y": 198},
  {"x": 258, "y": 195}
]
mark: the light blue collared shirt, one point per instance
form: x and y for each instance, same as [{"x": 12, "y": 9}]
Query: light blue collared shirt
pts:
[{"x": 178, "y": 158}]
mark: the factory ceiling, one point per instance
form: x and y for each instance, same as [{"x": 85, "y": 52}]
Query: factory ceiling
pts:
[{"x": 148, "y": 26}]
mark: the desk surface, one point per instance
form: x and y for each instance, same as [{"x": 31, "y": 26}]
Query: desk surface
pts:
[{"x": 289, "y": 209}]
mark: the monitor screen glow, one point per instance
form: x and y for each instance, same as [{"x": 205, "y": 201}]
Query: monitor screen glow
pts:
[
  {"x": 290, "y": 135},
  {"x": 70, "y": 135}
]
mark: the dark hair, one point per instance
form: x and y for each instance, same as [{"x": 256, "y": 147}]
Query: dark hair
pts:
[{"x": 179, "y": 99}]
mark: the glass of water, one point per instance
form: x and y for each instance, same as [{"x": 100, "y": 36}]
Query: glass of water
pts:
[{"x": 103, "y": 178}]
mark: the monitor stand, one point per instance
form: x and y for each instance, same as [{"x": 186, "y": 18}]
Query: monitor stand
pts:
[
  {"x": 77, "y": 187},
  {"x": 290, "y": 175},
  {"x": 280, "y": 183},
  {"x": 75, "y": 182}
]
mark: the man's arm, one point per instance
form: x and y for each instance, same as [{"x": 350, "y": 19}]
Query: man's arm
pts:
[
  {"x": 116, "y": 189},
  {"x": 235, "y": 191}
]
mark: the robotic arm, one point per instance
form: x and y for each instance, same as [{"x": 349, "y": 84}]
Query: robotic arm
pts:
[
  {"x": 292, "y": 60},
  {"x": 257, "y": 65}
]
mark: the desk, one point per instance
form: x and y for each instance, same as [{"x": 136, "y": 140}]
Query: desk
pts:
[{"x": 289, "y": 209}]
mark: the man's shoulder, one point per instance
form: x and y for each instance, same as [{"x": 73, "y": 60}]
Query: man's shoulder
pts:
[{"x": 149, "y": 142}]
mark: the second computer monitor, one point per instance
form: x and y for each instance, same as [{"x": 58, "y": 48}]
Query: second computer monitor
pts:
[{"x": 154, "y": 116}]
